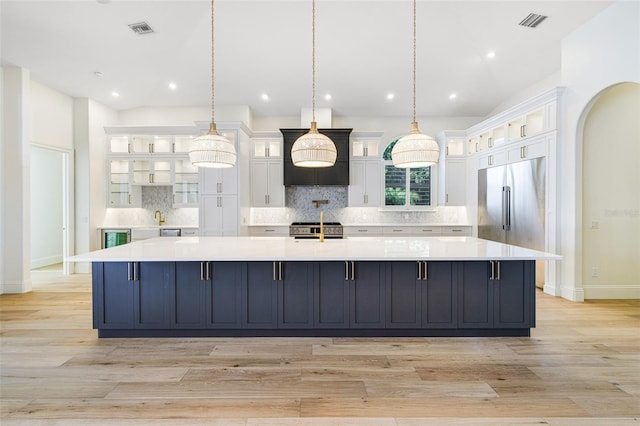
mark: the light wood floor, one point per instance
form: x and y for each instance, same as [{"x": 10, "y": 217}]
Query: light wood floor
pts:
[{"x": 580, "y": 367}]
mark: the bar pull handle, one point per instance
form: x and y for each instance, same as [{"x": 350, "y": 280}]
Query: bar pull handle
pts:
[
  {"x": 346, "y": 270},
  {"x": 129, "y": 195},
  {"x": 419, "y": 270},
  {"x": 208, "y": 271},
  {"x": 279, "y": 271},
  {"x": 353, "y": 271},
  {"x": 129, "y": 272},
  {"x": 498, "y": 277},
  {"x": 490, "y": 142},
  {"x": 201, "y": 271},
  {"x": 508, "y": 209},
  {"x": 426, "y": 276},
  {"x": 219, "y": 187},
  {"x": 274, "y": 271},
  {"x": 493, "y": 270}
]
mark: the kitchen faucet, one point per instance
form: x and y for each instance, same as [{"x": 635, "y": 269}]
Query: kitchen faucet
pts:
[
  {"x": 321, "y": 233},
  {"x": 160, "y": 220}
]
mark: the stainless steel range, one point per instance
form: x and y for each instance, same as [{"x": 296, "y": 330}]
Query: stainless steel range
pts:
[{"x": 308, "y": 229}]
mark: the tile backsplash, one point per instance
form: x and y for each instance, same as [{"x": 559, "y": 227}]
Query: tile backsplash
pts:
[
  {"x": 301, "y": 208},
  {"x": 153, "y": 198}
]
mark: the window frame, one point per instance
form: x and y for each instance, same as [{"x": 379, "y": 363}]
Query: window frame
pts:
[{"x": 407, "y": 206}]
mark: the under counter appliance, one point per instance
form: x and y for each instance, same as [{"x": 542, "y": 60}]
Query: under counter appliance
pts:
[
  {"x": 308, "y": 230},
  {"x": 511, "y": 205},
  {"x": 115, "y": 237}
]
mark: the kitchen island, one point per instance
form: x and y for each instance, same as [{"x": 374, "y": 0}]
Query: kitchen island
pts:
[{"x": 280, "y": 286}]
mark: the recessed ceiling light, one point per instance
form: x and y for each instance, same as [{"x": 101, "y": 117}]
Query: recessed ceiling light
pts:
[
  {"x": 327, "y": 97},
  {"x": 265, "y": 97},
  {"x": 173, "y": 86},
  {"x": 453, "y": 96},
  {"x": 491, "y": 54},
  {"x": 390, "y": 96},
  {"x": 115, "y": 94}
]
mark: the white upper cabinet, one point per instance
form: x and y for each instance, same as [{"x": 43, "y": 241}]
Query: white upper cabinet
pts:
[
  {"x": 365, "y": 169},
  {"x": 267, "y": 170}
]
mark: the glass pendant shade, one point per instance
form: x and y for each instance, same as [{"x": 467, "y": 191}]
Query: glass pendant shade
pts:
[
  {"x": 212, "y": 150},
  {"x": 415, "y": 150},
  {"x": 313, "y": 149}
]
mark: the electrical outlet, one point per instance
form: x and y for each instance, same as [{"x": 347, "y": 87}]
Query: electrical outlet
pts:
[
  {"x": 595, "y": 271},
  {"x": 595, "y": 224}
]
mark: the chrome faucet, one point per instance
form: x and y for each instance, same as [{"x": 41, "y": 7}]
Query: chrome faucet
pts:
[
  {"x": 160, "y": 219},
  {"x": 320, "y": 234}
]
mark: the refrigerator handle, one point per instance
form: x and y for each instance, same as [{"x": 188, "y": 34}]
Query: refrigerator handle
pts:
[{"x": 507, "y": 208}]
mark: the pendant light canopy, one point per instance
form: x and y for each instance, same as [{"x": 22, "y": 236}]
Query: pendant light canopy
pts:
[
  {"x": 313, "y": 149},
  {"x": 212, "y": 150},
  {"x": 415, "y": 149}
]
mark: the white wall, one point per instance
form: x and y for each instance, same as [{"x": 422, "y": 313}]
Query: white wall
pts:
[
  {"x": 551, "y": 81},
  {"x": 182, "y": 116},
  {"x": 2, "y": 182},
  {"x": 52, "y": 117},
  {"x": 16, "y": 146},
  {"x": 611, "y": 195},
  {"x": 90, "y": 118},
  {"x": 600, "y": 54},
  {"x": 46, "y": 207}
]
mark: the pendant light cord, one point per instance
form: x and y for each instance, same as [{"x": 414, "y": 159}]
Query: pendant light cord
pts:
[
  {"x": 414, "y": 61},
  {"x": 313, "y": 60},
  {"x": 212, "y": 69}
]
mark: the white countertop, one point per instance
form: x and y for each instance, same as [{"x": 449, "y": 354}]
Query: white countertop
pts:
[{"x": 286, "y": 248}]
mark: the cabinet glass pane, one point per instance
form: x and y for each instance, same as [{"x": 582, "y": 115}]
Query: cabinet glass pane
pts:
[
  {"x": 141, "y": 171},
  {"x": 483, "y": 141},
  {"x": 259, "y": 149},
  {"x": 535, "y": 123},
  {"x": 497, "y": 136},
  {"x": 472, "y": 146},
  {"x": 372, "y": 149},
  {"x": 274, "y": 149},
  {"x": 455, "y": 146},
  {"x": 119, "y": 144},
  {"x": 162, "y": 144},
  {"x": 182, "y": 143},
  {"x": 357, "y": 149},
  {"x": 141, "y": 144},
  {"x": 162, "y": 172},
  {"x": 515, "y": 128}
]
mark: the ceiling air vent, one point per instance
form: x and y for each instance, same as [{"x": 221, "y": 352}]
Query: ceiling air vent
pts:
[
  {"x": 141, "y": 28},
  {"x": 532, "y": 20}
]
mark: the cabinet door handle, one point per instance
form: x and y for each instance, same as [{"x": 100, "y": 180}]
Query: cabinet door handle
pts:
[
  {"x": 268, "y": 199},
  {"x": 446, "y": 198},
  {"x": 498, "y": 277},
  {"x": 129, "y": 272},
  {"x": 493, "y": 270},
  {"x": 419, "y": 270},
  {"x": 129, "y": 198},
  {"x": 346, "y": 270},
  {"x": 490, "y": 142},
  {"x": 353, "y": 271},
  {"x": 219, "y": 187},
  {"x": 425, "y": 276},
  {"x": 279, "y": 271},
  {"x": 208, "y": 271},
  {"x": 265, "y": 199},
  {"x": 446, "y": 151},
  {"x": 201, "y": 271},
  {"x": 274, "y": 271}
]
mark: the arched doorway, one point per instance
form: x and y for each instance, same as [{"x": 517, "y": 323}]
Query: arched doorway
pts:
[{"x": 611, "y": 194}]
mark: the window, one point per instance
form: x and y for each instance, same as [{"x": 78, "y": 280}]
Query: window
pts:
[{"x": 411, "y": 188}]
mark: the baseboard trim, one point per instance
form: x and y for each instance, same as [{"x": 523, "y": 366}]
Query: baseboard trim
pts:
[
  {"x": 611, "y": 291},
  {"x": 46, "y": 261},
  {"x": 16, "y": 287},
  {"x": 572, "y": 293}
]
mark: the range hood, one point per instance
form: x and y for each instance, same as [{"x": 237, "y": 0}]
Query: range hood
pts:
[{"x": 336, "y": 175}]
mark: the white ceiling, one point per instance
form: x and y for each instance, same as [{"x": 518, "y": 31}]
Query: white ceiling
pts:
[{"x": 363, "y": 51}]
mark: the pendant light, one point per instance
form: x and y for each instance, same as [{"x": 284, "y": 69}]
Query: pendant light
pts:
[
  {"x": 212, "y": 150},
  {"x": 313, "y": 149},
  {"x": 415, "y": 149}
]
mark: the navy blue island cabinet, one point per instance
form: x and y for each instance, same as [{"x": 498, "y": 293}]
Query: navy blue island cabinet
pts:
[{"x": 307, "y": 298}]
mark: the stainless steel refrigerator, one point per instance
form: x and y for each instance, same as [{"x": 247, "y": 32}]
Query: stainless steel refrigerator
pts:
[{"x": 511, "y": 206}]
